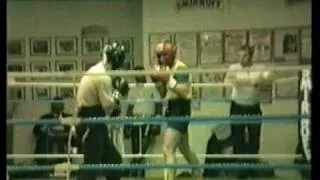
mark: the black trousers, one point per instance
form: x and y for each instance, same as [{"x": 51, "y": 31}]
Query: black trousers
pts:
[
  {"x": 238, "y": 131},
  {"x": 136, "y": 141},
  {"x": 246, "y": 143},
  {"x": 145, "y": 141},
  {"x": 98, "y": 148}
]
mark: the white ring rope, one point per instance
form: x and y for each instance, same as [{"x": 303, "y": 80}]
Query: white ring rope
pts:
[
  {"x": 148, "y": 72},
  {"x": 237, "y": 156},
  {"x": 67, "y": 84},
  {"x": 147, "y": 85}
]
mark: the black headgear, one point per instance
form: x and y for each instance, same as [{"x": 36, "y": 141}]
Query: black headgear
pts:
[{"x": 114, "y": 54}]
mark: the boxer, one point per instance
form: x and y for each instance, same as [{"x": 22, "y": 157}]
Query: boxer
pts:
[
  {"x": 98, "y": 96},
  {"x": 179, "y": 104}
]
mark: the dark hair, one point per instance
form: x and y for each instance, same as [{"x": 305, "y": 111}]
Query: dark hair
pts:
[
  {"x": 248, "y": 48},
  {"x": 57, "y": 98},
  {"x": 138, "y": 68}
]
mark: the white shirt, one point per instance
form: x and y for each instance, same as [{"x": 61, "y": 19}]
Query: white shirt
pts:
[
  {"x": 96, "y": 90},
  {"x": 144, "y": 96},
  {"x": 245, "y": 94}
]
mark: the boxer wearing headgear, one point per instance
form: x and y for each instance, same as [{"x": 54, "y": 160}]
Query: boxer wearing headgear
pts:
[
  {"x": 98, "y": 96},
  {"x": 179, "y": 104}
]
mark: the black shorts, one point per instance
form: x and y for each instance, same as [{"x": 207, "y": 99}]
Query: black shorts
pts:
[{"x": 179, "y": 108}]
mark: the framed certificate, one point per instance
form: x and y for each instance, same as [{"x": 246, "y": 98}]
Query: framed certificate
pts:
[
  {"x": 286, "y": 49},
  {"x": 187, "y": 48},
  {"x": 260, "y": 40},
  {"x": 233, "y": 40},
  {"x": 211, "y": 48},
  {"x": 212, "y": 93}
]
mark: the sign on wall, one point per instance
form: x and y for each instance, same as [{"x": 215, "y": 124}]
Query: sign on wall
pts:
[{"x": 212, "y": 4}]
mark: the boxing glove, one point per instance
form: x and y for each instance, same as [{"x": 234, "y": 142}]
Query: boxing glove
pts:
[
  {"x": 120, "y": 89},
  {"x": 120, "y": 86}
]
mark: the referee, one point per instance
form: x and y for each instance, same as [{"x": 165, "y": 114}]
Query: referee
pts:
[{"x": 246, "y": 101}]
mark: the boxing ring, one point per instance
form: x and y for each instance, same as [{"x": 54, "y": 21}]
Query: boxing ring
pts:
[{"x": 65, "y": 169}]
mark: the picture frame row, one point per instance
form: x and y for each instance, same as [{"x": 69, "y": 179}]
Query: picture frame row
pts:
[
  {"x": 46, "y": 66},
  {"x": 37, "y": 93},
  {"x": 62, "y": 46},
  {"x": 287, "y": 45}
]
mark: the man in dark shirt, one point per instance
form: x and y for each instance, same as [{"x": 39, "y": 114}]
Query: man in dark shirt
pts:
[{"x": 51, "y": 138}]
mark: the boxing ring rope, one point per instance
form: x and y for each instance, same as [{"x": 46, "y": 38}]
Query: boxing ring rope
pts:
[
  {"x": 148, "y": 72},
  {"x": 160, "y": 120},
  {"x": 68, "y": 167},
  {"x": 219, "y": 156}
]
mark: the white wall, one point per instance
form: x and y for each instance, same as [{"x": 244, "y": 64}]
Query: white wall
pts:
[{"x": 66, "y": 18}]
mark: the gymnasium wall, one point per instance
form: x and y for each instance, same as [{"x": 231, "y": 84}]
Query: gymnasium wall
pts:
[
  {"x": 52, "y": 18},
  {"x": 27, "y": 19}
]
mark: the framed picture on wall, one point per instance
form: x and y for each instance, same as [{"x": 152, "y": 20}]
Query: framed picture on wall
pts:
[
  {"x": 306, "y": 45},
  {"x": 233, "y": 40},
  {"x": 212, "y": 93},
  {"x": 16, "y": 93},
  {"x": 40, "y": 46},
  {"x": 40, "y": 66},
  {"x": 13, "y": 66},
  {"x": 261, "y": 41},
  {"x": 92, "y": 45},
  {"x": 66, "y": 46},
  {"x": 286, "y": 45},
  {"x": 187, "y": 47},
  {"x": 16, "y": 48},
  {"x": 154, "y": 39},
  {"x": 41, "y": 93},
  {"x": 66, "y": 66},
  {"x": 86, "y": 64},
  {"x": 66, "y": 92},
  {"x": 211, "y": 47}
]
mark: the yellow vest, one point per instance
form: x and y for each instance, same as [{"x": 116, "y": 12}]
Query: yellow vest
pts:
[{"x": 179, "y": 65}]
